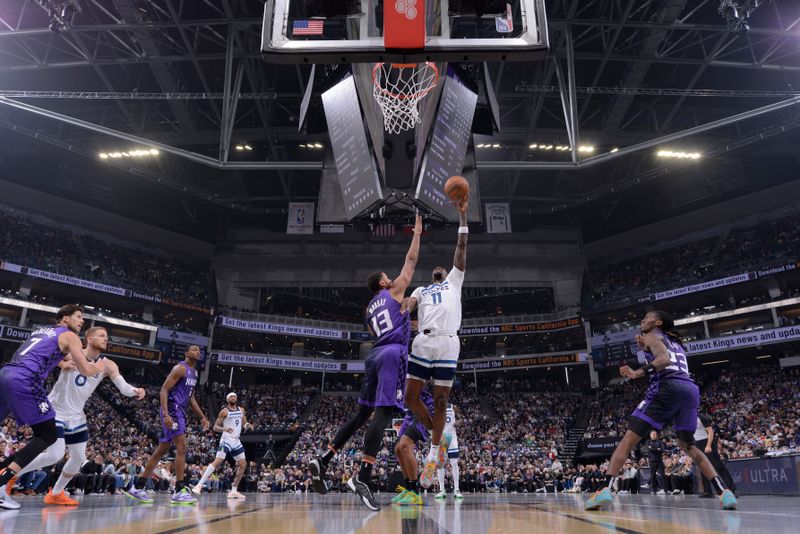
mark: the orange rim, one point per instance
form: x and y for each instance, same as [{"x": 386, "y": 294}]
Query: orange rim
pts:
[{"x": 396, "y": 96}]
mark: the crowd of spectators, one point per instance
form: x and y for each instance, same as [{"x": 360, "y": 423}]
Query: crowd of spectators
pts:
[
  {"x": 759, "y": 244},
  {"x": 49, "y": 247}
]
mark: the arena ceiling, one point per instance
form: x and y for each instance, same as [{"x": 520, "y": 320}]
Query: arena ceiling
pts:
[{"x": 642, "y": 70}]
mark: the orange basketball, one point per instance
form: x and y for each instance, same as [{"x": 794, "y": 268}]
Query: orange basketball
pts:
[{"x": 456, "y": 188}]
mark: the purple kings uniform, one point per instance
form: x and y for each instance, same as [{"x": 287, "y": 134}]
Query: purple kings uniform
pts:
[
  {"x": 672, "y": 396},
  {"x": 22, "y": 380},
  {"x": 177, "y": 402},
  {"x": 413, "y": 428},
  {"x": 385, "y": 367}
]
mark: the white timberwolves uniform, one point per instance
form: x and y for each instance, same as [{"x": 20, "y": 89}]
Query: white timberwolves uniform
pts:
[
  {"x": 435, "y": 350},
  {"x": 450, "y": 430},
  {"x": 68, "y": 398},
  {"x": 229, "y": 442}
]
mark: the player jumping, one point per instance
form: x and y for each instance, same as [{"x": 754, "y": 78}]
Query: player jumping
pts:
[
  {"x": 671, "y": 397},
  {"x": 22, "y": 391},
  {"x": 435, "y": 350},
  {"x": 176, "y": 394},
  {"x": 384, "y": 375},
  {"x": 69, "y": 397},
  {"x": 230, "y": 422}
]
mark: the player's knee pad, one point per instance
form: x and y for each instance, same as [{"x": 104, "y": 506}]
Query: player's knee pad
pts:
[
  {"x": 639, "y": 426},
  {"x": 686, "y": 437}
]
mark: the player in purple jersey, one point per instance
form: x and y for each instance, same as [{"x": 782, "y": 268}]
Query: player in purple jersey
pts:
[
  {"x": 384, "y": 375},
  {"x": 411, "y": 432},
  {"x": 671, "y": 397},
  {"x": 22, "y": 392},
  {"x": 177, "y": 394}
]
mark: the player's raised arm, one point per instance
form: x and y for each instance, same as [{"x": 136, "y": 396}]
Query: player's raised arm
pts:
[
  {"x": 223, "y": 413},
  {"x": 404, "y": 278},
  {"x": 460, "y": 257},
  {"x": 72, "y": 343},
  {"x": 112, "y": 371}
]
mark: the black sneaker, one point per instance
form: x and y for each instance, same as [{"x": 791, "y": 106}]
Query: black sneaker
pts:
[
  {"x": 363, "y": 491},
  {"x": 318, "y": 476}
]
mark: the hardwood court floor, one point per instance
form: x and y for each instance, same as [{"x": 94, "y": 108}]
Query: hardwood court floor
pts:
[{"x": 343, "y": 514}]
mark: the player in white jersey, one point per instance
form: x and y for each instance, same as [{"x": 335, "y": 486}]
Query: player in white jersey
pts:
[
  {"x": 435, "y": 350},
  {"x": 68, "y": 397},
  {"x": 451, "y": 418},
  {"x": 230, "y": 422}
]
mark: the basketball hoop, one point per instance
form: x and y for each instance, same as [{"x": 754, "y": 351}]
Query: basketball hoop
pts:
[{"x": 398, "y": 88}]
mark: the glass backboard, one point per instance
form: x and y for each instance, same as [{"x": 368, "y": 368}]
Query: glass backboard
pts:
[{"x": 352, "y": 31}]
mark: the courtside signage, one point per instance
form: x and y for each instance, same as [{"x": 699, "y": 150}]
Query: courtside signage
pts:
[
  {"x": 278, "y": 362},
  {"x": 286, "y": 329}
]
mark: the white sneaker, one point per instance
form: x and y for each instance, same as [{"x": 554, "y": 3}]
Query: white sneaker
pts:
[
  {"x": 7, "y": 502},
  {"x": 458, "y": 494},
  {"x": 661, "y": 492},
  {"x": 676, "y": 492},
  {"x": 197, "y": 489},
  {"x": 233, "y": 494},
  {"x": 441, "y": 495}
]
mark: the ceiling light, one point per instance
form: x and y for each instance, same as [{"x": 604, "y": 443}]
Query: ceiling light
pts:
[
  {"x": 495, "y": 145},
  {"x": 302, "y": 146},
  {"x": 248, "y": 147},
  {"x": 103, "y": 155},
  {"x": 615, "y": 149},
  {"x": 239, "y": 147},
  {"x": 548, "y": 147},
  {"x": 678, "y": 154},
  {"x": 586, "y": 148},
  {"x": 533, "y": 146},
  {"x": 154, "y": 152},
  {"x": 318, "y": 145}
]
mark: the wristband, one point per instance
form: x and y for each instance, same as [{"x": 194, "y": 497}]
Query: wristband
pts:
[
  {"x": 463, "y": 229},
  {"x": 649, "y": 369}
]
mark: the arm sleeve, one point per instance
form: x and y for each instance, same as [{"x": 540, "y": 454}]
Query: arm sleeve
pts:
[
  {"x": 124, "y": 388},
  {"x": 456, "y": 277}
]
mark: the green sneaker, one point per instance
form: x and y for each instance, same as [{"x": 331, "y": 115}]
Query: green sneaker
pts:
[
  {"x": 411, "y": 498},
  {"x": 399, "y": 496}
]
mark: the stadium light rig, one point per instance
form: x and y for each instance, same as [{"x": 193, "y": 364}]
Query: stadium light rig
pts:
[
  {"x": 678, "y": 154},
  {"x": 138, "y": 153}
]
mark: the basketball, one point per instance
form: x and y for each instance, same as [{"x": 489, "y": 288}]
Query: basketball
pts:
[{"x": 456, "y": 188}]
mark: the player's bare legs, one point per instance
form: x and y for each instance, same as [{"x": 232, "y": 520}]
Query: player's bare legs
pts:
[
  {"x": 412, "y": 400},
  {"x": 440, "y": 396}
]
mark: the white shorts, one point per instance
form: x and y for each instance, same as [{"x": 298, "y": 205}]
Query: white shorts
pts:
[
  {"x": 434, "y": 357},
  {"x": 232, "y": 446},
  {"x": 453, "y": 450},
  {"x": 72, "y": 428}
]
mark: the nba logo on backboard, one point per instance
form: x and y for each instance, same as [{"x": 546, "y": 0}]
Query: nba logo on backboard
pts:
[
  {"x": 301, "y": 216},
  {"x": 505, "y": 24}
]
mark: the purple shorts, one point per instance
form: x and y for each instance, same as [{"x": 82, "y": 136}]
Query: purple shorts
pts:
[
  {"x": 384, "y": 377},
  {"x": 178, "y": 426},
  {"x": 418, "y": 432},
  {"x": 24, "y": 397},
  {"x": 670, "y": 401}
]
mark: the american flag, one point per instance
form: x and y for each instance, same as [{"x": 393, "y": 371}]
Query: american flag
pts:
[
  {"x": 384, "y": 230},
  {"x": 308, "y": 27}
]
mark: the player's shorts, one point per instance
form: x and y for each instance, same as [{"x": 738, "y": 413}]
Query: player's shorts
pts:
[
  {"x": 24, "y": 397},
  {"x": 452, "y": 450},
  {"x": 178, "y": 426},
  {"x": 434, "y": 356},
  {"x": 72, "y": 428},
  {"x": 415, "y": 430},
  {"x": 668, "y": 401},
  {"x": 384, "y": 377},
  {"x": 230, "y": 446}
]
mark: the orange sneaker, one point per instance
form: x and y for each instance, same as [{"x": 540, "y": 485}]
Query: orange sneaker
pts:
[
  {"x": 10, "y": 485},
  {"x": 59, "y": 498}
]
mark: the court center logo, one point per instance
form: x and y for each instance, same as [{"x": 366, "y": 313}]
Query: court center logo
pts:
[{"x": 407, "y": 8}]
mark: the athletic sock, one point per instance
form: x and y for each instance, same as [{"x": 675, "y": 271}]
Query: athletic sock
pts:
[
  {"x": 432, "y": 453},
  {"x": 612, "y": 483},
  {"x": 454, "y": 467},
  {"x": 6, "y": 475},
  {"x": 179, "y": 485},
  {"x": 207, "y": 474},
  {"x": 412, "y": 486},
  {"x": 365, "y": 472},
  {"x": 440, "y": 472},
  {"x": 406, "y": 483},
  {"x": 719, "y": 485},
  {"x": 61, "y": 483},
  {"x": 140, "y": 482}
]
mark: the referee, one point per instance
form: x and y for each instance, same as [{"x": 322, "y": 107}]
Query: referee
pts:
[{"x": 706, "y": 440}]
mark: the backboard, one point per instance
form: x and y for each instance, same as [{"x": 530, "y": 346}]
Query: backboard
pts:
[{"x": 353, "y": 31}]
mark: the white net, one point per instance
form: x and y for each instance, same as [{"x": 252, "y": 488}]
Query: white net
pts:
[{"x": 398, "y": 90}]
